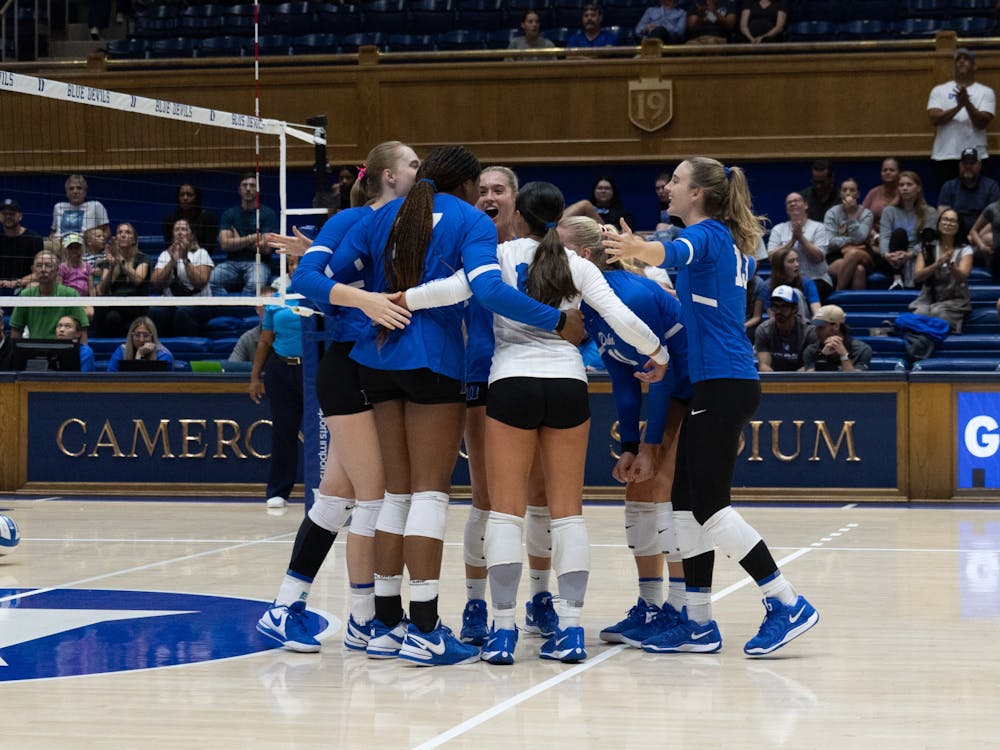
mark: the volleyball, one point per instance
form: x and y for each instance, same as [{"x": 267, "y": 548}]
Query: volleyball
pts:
[{"x": 9, "y": 538}]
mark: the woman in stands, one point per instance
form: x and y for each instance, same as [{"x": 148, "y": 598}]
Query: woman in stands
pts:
[
  {"x": 414, "y": 378},
  {"x": 124, "y": 273},
  {"x": 646, "y": 467},
  {"x": 182, "y": 270},
  {"x": 943, "y": 268},
  {"x": 850, "y": 225},
  {"x": 714, "y": 255},
  {"x": 142, "y": 343},
  {"x": 886, "y": 194},
  {"x": 909, "y": 218},
  {"x": 607, "y": 201},
  {"x": 763, "y": 20},
  {"x": 785, "y": 270},
  {"x": 351, "y": 481}
]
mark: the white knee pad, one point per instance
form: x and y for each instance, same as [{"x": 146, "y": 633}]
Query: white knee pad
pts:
[
  {"x": 570, "y": 545},
  {"x": 392, "y": 518},
  {"x": 640, "y": 529},
  {"x": 475, "y": 536},
  {"x": 666, "y": 531},
  {"x": 503, "y": 539},
  {"x": 365, "y": 517},
  {"x": 428, "y": 515},
  {"x": 329, "y": 512},
  {"x": 691, "y": 537},
  {"x": 731, "y": 533},
  {"x": 538, "y": 538}
]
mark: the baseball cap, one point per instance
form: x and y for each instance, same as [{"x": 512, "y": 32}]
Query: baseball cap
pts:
[
  {"x": 829, "y": 314},
  {"x": 969, "y": 153},
  {"x": 785, "y": 293},
  {"x": 10, "y": 204},
  {"x": 964, "y": 51},
  {"x": 71, "y": 239}
]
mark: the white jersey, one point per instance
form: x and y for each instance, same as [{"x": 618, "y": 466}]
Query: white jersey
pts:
[
  {"x": 525, "y": 351},
  {"x": 959, "y": 133}
]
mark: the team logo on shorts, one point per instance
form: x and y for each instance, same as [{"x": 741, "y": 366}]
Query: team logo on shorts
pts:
[
  {"x": 72, "y": 632},
  {"x": 650, "y": 103}
]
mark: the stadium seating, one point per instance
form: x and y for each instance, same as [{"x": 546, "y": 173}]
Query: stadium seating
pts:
[
  {"x": 461, "y": 39},
  {"x": 338, "y": 19},
  {"x": 957, "y": 364},
  {"x": 430, "y": 17}
]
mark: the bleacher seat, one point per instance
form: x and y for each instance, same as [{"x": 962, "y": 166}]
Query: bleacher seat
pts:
[
  {"x": 291, "y": 18},
  {"x": 410, "y": 43},
  {"x": 558, "y": 35},
  {"x": 884, "y": 346},
  {"x": 220, "y": 46},
  {"x": 982, "y": 320},
  {"x": 984, "y": 295},
  {"x": 927, "y": 9},
  {"x": 977, "y": 345},
  {"x": 985, "y": 8},
  {"x": 221, "y": 348},
  {"x": 862, "y": 29},
  {"x": 517, "y": 8},
  {"x": 316, "y": 44},
  {"x": 821, "y": 10},
  {"x": 275, "y": 44},
  {"x": 957, "y": 364},
  {"x": 973, "y": 26},
  {"x": 460, "y": 39},
  {"x": 570, "y": 12},
  {"x": 878, "y": 10},
  {"x": 481, "y": 15},
  {"x": 157, "y": 21},
  {"x": 352, "y": 42},
  {"x": 921, "y": 27},
  {"x": 187, "y": 348},
  {"x": 430, "y": 17},
  {"x": 126, "y": 48},
  {"x": 873, "y": 300},
  {"x": 104, "y": 348},
  {"x": 173, "y": 47},
  {"x": 238, "y": 19},
  {"x": 385, "y": 16},
  {"x": 499, "y": 39},
  {"x": 811, "y": 31},
  {"x": 625, "y": 13},
  {"x": 202, "y": 20},
  {"x": 338, "y": 19},
  {"x": 887, "y": 364}
]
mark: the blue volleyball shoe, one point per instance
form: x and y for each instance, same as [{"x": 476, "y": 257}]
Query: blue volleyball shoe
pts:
[
  {"x": 437, "y": 648},
  {"x": 287, "y": 625},
  {"x": 565, "y": 645},
  {"x": 687, "y": 636},
  {"x": 383, "y": 641},
  {"x": 357, "y": 635},
  {"x": 540, "y": 616},
  {"x": 499, "y": 646},
  {"x": 782, "y": 623},
  {"x": 474, "y": 629},
  {"x": 637, "y": 616},
  {"x": 662, "y": 620}
]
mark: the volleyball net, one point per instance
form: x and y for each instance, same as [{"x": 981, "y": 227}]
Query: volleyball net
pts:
[{"x": 145, "y": 163}]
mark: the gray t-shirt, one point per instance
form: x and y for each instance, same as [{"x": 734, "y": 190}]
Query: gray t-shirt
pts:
[
  {"x": 859, "y": 353},
  {"x": 786, "y": 353}
]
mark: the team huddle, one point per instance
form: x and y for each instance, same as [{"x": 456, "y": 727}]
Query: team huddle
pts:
[{"x": 481, "y": 292}]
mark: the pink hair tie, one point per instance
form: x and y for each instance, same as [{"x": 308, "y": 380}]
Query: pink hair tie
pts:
[{"x": 361, "y": 172}]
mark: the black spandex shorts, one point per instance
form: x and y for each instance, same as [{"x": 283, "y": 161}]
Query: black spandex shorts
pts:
[
  {"x": 416, "y": 386},
  {"x": 338, "y": 384},
  {"x": 530, "y": 403},
  {"x": 475, "y": 394}
]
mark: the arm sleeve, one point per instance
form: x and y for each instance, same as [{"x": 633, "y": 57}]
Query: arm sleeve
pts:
[
  {"x": 810, "y": 290},
  {"x": 164, "y": 355},
  {"x": 837, "y": 240},
  {"x": 341, "y": 233},
  {"x": 439, "y": 292},
  {"x": 479, "y": 258},
  {"x": 657, "y": 401},
  {"x": 989, "y": 101},
  {"x": 642, "y": 22},
  {"x": 596, "y": 293},
  {"x": 626, "y": 390}
]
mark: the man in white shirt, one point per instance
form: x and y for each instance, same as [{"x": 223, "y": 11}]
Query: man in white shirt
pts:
[
  {"x": 961, "y": 110},
  {"x": 808, "y": 238}
]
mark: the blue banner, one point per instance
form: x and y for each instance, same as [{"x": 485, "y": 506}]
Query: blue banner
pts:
[{"x": 978, "y": 436}]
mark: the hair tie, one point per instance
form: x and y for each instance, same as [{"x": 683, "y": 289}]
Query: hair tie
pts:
[
  {"x": 430, "y": 182},
  {"x": 729, "y": 174},
  {"x": 362, "y": 169},
  {"x": 550, "y": 225}
]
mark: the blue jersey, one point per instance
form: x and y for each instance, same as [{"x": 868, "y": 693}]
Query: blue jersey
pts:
[
  {"x": 711, "y": 284},
  {"x": 478, "y": 342},
  {"x": 463, "y": 237},
  {"x": 662, "y": 313},
  {"x": 314, "y": 277},
  {"x": 287, "y": 328}
]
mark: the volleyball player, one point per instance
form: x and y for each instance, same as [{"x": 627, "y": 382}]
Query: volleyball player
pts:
[
  {"x": 351, "y": 480},
  {"x": 646, "y": 467},
  {"x": 414, "y": 378},
  {"x": 713, "y": 255}
]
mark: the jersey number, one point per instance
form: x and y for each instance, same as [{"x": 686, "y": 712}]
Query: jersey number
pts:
[{"x": 742, "y": 268}]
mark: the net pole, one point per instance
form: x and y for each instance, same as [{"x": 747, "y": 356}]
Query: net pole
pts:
[
  {"x": 282, "y": 206},
  {"x": 256, "y": 113}
]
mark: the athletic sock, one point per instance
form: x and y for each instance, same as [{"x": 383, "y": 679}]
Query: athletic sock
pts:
[{"x": 651, "y": 590}]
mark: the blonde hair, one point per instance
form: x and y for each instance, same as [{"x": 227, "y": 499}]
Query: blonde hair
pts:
[
  {"x": 726, "y": 198},
  {"x": 508, "y": 174},
  {"x": 147, "y": 323},
  {"x": 919, "y": 203},
  {"x": 368, "y": 186}
]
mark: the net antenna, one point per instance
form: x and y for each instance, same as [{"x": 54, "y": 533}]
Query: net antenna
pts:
[{"x": 94, "y": 130}]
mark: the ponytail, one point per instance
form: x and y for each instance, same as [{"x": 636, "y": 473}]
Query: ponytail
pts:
[
  {"x": 727, "y": 199},
  {"x": 549, "y": 279}
]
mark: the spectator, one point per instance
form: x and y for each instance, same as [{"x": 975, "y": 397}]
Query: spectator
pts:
[
  {"x": 182, "y": 270},
  {"x": 808, "y": 238},
  {"x": 985, "y": 237},
  {"x": 960, "y": 109},
  {"x": 821, "y": 195},
  {"x": 68, "y": 327},
  {"x": 943, "y": 267},
  {"x": 763, "y": 20},
  {"x": 886, "y": 194},
  {"x": 608, "y": 203},
  {"x": 18, "y": 247},
  {"x": 74, "y": 271},
  {"x": 592, "y": 35},
  {"x": 835, "y": 349},
  {"x": 665, "y": 22},
  {"x": 663, "y": 197},
  {"x": 781, "y": 339},
  {"x": 246, "y": 346},
  {"x": 40, "y": 322},
  {"x": 77, "y": 214},
  {"x": 240, "y": 238},
  {"x": 204, "y": 223},
  {"x": 124, "y": 273},
  {"x": 786, "y": 270},
  {"x": 969, "y": 193},
  {"x": 141, "y": 343},
  {"x": 6, "y": 348},
  {"x": 907, "y": 220},
  {"x": 95, "y": 247},
  {"x": 849, "y": 226},
  {"x": 532, "y": 38},
  {"x": 710, "y": 22},
  {"x": 338, "y": 197}
]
